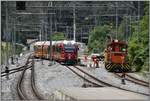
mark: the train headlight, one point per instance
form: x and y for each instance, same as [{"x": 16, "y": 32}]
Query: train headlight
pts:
[
  {"x": 116, "y": 40},
  {"x": 123, "y": 49},
  {"x": 65, "y": 42}
]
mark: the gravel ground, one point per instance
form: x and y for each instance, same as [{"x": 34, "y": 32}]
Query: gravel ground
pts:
[
  {"x": 52, "y": 78},
  {"x": 48, "y": 79},
  {"x": 102, "y": 74},
  {"x": 8, "y": 87}
]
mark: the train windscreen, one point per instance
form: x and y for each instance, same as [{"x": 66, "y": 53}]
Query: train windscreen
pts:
[{"x": 69, "y": 48}]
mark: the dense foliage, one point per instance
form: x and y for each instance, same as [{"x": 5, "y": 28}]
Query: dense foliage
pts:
[
  {"x": 58, "y": 36},
  {"x": 97, "y": 38},
  {"x": 138, "y": 45}
]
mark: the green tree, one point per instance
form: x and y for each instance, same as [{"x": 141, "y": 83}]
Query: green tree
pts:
[
  {"x": 97, "y": 37},
  {"x": 58, "y": 36},
  {"x": 138, "y": 44}
]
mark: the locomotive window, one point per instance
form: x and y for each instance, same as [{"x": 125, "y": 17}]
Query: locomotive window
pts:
[
  {"x": 117, "y": 48},
  {"x": 69, "y": 48},
  {"x": 123, "y": 48}
]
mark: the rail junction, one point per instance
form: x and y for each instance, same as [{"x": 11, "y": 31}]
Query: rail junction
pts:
[{"x": 74, "y": 50}]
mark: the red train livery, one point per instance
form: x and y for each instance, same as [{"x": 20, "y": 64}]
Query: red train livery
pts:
[
  {"x": 62, "y": 51},
  {"x": 65, "y": 51},
  {"x": 115, "y": 57}
]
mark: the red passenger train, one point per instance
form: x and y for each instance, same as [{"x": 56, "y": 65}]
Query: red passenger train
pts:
[{"x": 62, "y": 51}]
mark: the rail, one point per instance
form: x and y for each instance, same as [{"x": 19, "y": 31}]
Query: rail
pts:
[
  {"x": 105, "y": 83},
  {"x": 134, "y": 80},
  {"x": 20, "y": 90}
]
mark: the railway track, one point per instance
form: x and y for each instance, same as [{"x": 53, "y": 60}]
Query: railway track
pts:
[
  {"x": 20, "y": 89},
  {"x": 15, "y": 70},
  {"x": 92, "y": 79},
  {"x": 87, "y": 77},
  {"x": 133, "y": 79}
]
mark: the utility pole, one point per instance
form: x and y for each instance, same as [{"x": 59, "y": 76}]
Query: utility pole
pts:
[
  {"x": 45, "y": 32},
  {"x": 50, "y": 37},
  {"x": 74, "y": 23},
  {"x": 67, "y": 31},
  {"x": 40, "y": 35},
  {"x": 138, "y": 28},
  {"x": 0, "y": 43},
  {"x": 50, "y": 22},
  {"x": 116, "y": 19},
  {"x": 81, "y": 34},
  {"x": 6, "y": 32},
  {"x": 14, "y": 41}
]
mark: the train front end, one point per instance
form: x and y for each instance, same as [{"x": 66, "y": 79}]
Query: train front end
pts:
[
  {"x": 116, "y": 57},
  {"x": 71, "y": 54}
]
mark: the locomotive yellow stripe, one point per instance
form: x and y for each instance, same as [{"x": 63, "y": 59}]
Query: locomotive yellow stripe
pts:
[
  {"x": 107, "y": 66},
  {"x": 112, "y": 66},
  {"x": 122, "y": 66},
  {"x": 126, "y": 66}
]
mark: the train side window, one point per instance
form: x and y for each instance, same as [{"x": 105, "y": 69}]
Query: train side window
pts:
[
  {"x": 123, "y": 48},
  {"x": 58, "y": 49}
]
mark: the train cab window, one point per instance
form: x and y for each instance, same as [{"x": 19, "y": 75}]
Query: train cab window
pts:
[
  {"x": 123, "y": 48},
  {"x": 117, "y": 48},
  {"x": 69, "y": 48}
]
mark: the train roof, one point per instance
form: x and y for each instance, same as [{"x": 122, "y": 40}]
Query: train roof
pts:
[
  {"x": 65, "y": 42},
  {"x": 44, "y": 43},
  {"x": 55, "y": 42},
  {"x": 117, "y": 42}
]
